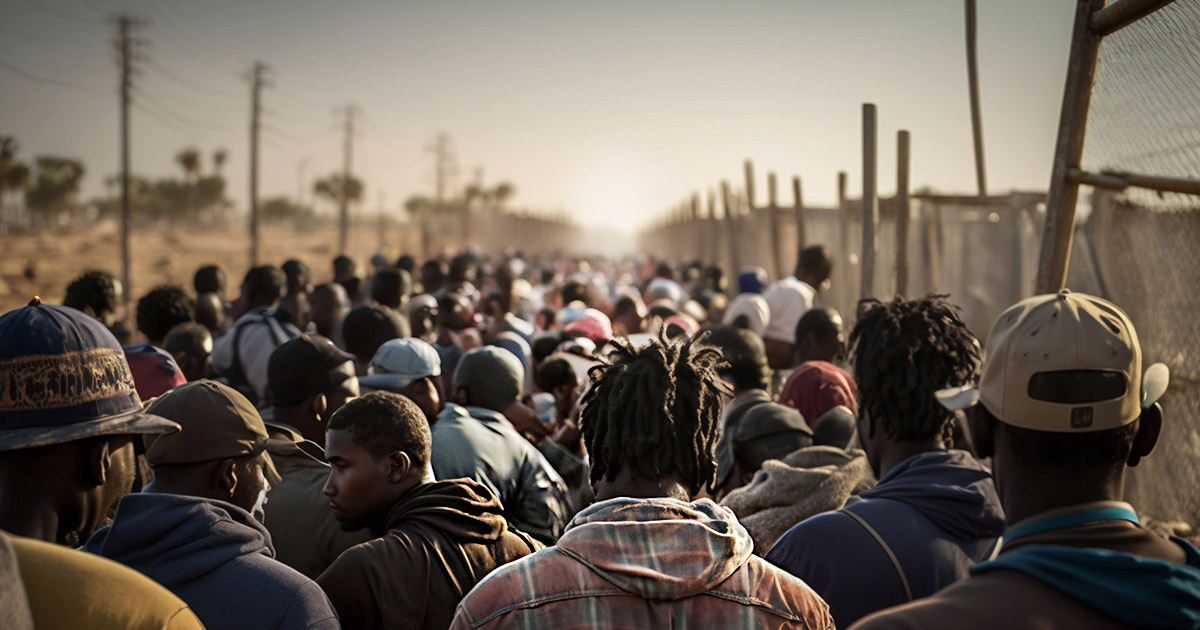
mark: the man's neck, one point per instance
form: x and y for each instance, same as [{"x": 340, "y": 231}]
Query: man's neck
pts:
[
  {"x": 626, "y": 485},
  {"x": 1027, "y": 492},
  {"x": 299, "y": 418},
  {"x": 32, "y": 516},
  {"x": 896, "y": 452},
  {"x": 382, "y": 521}
]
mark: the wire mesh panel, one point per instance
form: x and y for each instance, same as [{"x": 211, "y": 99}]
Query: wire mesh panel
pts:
[
  {"x": 1147, "y": 262},
  {"x": 1144, "y": 115},
  {"x": 1141, "y": 248}
]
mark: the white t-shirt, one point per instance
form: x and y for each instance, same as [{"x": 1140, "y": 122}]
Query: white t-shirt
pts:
[
  {"x": 789, "y": 299},
  {"x": 262, "y": 334}
]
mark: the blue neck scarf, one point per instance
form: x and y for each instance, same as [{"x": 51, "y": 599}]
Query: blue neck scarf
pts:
[{"x": 1132, "y": 590}]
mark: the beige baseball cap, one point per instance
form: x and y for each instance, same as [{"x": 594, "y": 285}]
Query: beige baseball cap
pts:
[{"x": 1064, "y": 363}]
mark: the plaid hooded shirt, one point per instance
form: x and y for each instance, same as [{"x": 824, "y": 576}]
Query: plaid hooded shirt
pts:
[{"x": 644, "y": 563}]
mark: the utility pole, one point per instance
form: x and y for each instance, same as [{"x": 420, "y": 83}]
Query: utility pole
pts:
[
  {"x": 301, "y": 168},
  {"x": 125, "y": 56},
  {"x": 257, "y": 80},
  {"x": 445, "y": 167},
  {"x": 350, "y": 111},
  {"x": 382, "y": 222}
]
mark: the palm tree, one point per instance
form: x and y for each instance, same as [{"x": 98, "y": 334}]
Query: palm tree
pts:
[
  {"x": 189, "y": 160},
  {"x": 56, "y": 185},
  {"x": 337, "y": 189},
  {"x": 502, "y": 193},
  {"x": 218, "y": 160}
]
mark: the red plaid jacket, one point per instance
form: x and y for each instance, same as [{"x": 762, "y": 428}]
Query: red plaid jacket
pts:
[{"x": 635, "y": 563}]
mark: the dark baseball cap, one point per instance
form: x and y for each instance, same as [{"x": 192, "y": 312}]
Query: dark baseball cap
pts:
[
  {"x": 304, "y": 367},
  {"x": 64, "y": 377},
  {"x": 216, "y": 423}
]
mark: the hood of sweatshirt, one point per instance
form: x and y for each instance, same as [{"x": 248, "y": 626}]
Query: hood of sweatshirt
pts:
[
  {"x": 951, "y": 488},
  {"x": 174, "y": 539},
  {"x": 658, "y": 549},
  {"x": 461, "y": 508},
  {"x": 1131, "y": 590}
]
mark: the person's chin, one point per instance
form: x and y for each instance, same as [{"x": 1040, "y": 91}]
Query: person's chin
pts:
[{"x": 347, "y": 522}]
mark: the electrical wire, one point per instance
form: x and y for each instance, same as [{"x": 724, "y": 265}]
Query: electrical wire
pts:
[{"x": 17, "y": 70}]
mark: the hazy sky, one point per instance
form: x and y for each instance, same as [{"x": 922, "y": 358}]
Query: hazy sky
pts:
[{"x": 611, "y": 110}]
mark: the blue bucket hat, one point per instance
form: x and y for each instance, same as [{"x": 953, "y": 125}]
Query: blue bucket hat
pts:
[{"x": 64, "y": 377}]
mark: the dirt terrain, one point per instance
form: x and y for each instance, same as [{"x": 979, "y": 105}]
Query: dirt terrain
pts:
[{"x": 43, "y": 263}]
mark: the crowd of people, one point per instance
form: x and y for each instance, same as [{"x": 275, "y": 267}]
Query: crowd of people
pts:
[{"x": 503, "y": 442}]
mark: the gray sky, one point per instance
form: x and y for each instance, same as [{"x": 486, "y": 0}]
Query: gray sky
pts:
[{"x": 611, "y": 110}]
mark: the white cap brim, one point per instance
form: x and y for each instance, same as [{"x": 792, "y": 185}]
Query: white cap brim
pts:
[
  {"x": 1154, "y": 384},
  {"x": 958, "y": 398}
]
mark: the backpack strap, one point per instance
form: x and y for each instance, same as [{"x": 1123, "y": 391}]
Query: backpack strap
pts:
[{"x": 908, "y": 596}]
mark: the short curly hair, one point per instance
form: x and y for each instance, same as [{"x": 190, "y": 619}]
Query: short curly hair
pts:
[
  {"x": 384, "y": 422},
  {"x": 163, "y": 308},
  {"x": 94, "y": 293}
]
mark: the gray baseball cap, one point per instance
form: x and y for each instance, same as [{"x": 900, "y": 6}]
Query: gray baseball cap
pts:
[{"x": 400, "y": 362}]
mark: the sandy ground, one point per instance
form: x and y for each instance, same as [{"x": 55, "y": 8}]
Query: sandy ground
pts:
[{"x": 43, "y": 263}]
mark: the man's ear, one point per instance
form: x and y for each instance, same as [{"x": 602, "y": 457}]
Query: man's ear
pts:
[
  {"x": 99, "y": 460},
  {"x": 317, "y": 404},
  {"x": 227, "y": 476},
  {"x": 400, "y": 464},
  {"x": 981, "y": 425},
  {"x": 1149, "y": 428}
]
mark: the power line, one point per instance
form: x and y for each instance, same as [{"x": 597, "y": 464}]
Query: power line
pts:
[
  {"x": 17, "y": 70},
  {"x": 184, "y": 119},
  {"x": 59, "y": 12},
  {"x": 172, "y": 76}
]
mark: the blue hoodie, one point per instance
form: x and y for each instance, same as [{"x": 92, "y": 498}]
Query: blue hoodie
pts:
[
  {"x": 937, "y": 511},
  {"x": 217, "y": 558}
]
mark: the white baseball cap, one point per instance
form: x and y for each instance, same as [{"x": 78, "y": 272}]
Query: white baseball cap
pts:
[
  {"x": 1063, "y": 363},
  {"x": 400, "y": 362}
]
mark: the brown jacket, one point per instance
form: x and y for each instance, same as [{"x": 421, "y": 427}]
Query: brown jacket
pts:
[
  {"x": 442, "y": 539},
  {"x": 1005, "y": 599}
]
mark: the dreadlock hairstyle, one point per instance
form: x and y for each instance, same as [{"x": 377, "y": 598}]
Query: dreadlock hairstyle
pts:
[
  {"x": 654, "y": 410},
  {"x": 903, "y": 351}
]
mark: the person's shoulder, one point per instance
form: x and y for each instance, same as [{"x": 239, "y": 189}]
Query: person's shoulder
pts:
[
  {"x": 525, "y": 582},
  {"x": 780, "y": 593},
  {"x": 62, "y": 583},
  {"x": 814, "y": 540},
  {"x": 981, "y": 602}
]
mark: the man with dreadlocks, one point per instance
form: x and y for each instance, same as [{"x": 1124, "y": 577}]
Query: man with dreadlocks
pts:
[
  {"x": 643, "y": 556},
  {"x": 935, "y": 511}
]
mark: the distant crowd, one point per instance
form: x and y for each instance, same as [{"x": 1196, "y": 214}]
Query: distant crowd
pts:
[{"x": 495, "y": 441}]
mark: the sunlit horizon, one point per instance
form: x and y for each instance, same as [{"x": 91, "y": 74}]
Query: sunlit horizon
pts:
[{"x": 613, "y": 113}]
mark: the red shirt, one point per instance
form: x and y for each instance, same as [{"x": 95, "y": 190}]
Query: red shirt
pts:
[{"x": 816, "y": 387}]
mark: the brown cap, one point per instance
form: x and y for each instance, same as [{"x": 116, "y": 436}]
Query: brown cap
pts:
[{"x": 216, "y": 423}]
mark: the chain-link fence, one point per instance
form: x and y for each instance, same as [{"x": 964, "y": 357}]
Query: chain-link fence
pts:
[{"x": 1148, "y": 263}]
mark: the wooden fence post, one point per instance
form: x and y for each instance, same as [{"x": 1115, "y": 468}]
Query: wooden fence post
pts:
[
  {"x": 1068, "y": 149},
  {"x": 870, "y": 202},
  {"x": 798, "y": 210},
  {"x": 735, "y": 259},
  {"x": 902, "y": 209},
  {"x": 776, "y": 227}
]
